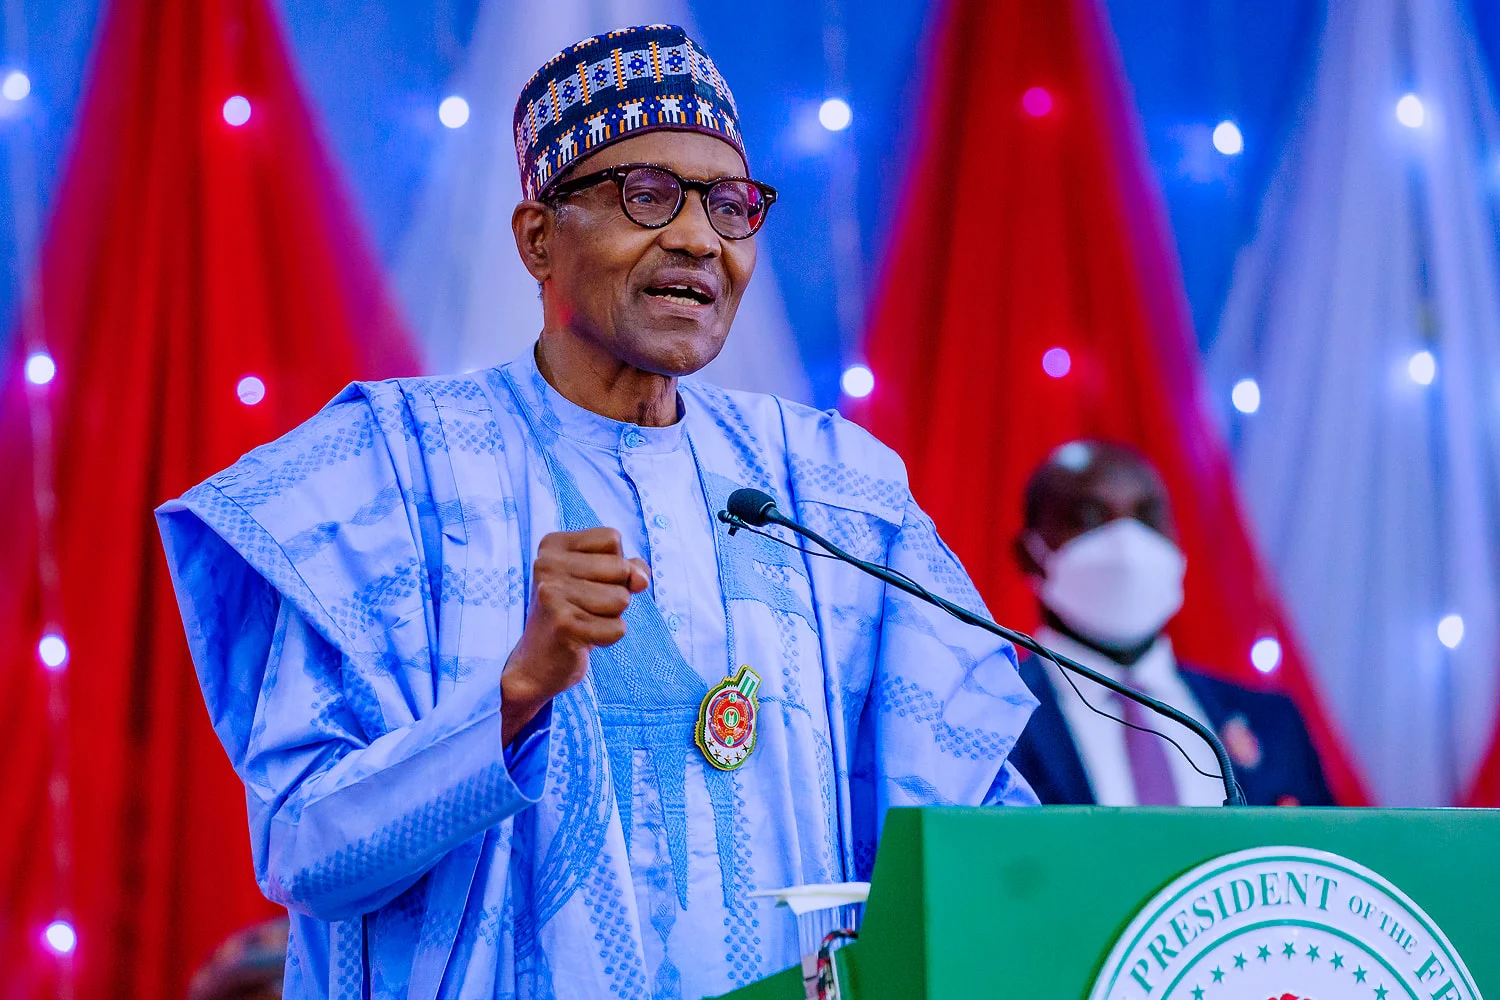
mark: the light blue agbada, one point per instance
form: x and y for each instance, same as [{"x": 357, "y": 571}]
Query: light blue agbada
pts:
[{"x": 351, "y": 593}]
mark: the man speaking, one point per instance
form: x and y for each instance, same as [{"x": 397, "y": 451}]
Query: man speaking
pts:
[{"x": 515, "y": 716}]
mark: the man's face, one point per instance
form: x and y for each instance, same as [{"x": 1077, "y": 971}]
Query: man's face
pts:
[
  {"x": 1115, "y": 483},
  {"x": 609, "y": 278}
]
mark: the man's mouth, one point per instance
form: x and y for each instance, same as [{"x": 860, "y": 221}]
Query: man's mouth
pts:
[{"x": 691, "y": 294}]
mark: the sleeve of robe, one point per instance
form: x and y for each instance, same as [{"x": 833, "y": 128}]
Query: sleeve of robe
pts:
[
  {"x": 305, "y": 576},
  {"x": 946, "y": 701},
  {"x": 932, "y": 707}
]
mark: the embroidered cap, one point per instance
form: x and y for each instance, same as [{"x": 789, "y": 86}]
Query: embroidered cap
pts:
[{"x": 622, "y": 83}]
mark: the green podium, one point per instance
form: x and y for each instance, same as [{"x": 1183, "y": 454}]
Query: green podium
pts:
[{"x": 1191, "y": 904}]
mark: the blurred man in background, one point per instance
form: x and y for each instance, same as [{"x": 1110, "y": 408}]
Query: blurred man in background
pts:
[{"x": 1099, "y": 545}]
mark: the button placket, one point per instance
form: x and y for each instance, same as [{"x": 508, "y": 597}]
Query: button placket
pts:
[
  {"x": 666, "y": 548},
  {"x": 637, "y": 471},
  {"x": 676, "y": 532}
]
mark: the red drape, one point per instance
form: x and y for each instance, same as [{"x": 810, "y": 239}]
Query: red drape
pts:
[
  {"x": 183, "y": 254},
  {"x": 1485, "y": 791},
  {"x": 1030, "y": 224}
]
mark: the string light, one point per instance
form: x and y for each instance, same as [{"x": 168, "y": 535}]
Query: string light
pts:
[
  {"x": 1450, "y": 631},
  {"x": 237, "y": 110},
  {"x": 16, "y": 86},
  {"x": 1036, "y": 102},
  {"x": 40, "y": 368},
  {"x": 1265, "y": 655},
  {"x": 1057, "y": 362},
  {"x": 250, "y": 390},
  {"x": 835, "y": 114},
  {"x": 453, "y": 111},
  {"x": 1228, "y": 139},
  {"x": 1245, "y": 395},
  {"x": 60, "y": 937},
  {"x": 858, "y": 381},
  {"x": 1410, "y": 112}
]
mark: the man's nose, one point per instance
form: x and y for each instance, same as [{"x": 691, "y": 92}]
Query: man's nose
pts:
[{"x": 691, "y": 231}]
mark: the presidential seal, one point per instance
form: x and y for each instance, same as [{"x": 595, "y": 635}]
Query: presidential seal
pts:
[
  {"x": 1278, "y": 922},
  {"x": 727, "y": 718}
]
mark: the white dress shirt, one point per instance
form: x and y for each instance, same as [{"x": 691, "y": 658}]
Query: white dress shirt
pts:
[{"x": 1101, "y": 741}]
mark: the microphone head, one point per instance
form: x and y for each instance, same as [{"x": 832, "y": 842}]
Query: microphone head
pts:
[{"x": 751, "y": 506}]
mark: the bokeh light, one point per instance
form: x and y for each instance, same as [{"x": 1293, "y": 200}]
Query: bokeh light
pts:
[
  {"x": 858, "y": 381},
  {"x": 1422, "y": 367},
  {"x": 237, "y": 110},
  {"x": 835, "y": 114},
  {"x": 52, "y": 651},
  {"x": 1245, "y": 395},
  {"x": 40, "y": 368},
  {"x": 1228, "y": 139},
  {"x": 1265, "y": 655},
  {"x": 251, "y": 390},
  {"x": 453, "y": 111},
  {"x": 16, "y": 86},
  {"x": 1057, "y": 362},
  {"x": 1451, "y": 631},
  {"x": 1409, "y": 111},
  {"x": 60, "y": 937},
  {"x": 1036, "y": 102}
]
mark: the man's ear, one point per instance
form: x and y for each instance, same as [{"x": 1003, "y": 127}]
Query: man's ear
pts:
[
  {"x": 1023, "y": 548},
  {"x": 533, "y": 223}
]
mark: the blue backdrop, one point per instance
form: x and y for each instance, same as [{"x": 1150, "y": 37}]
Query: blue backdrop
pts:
[{"x": 377, "y": 72}]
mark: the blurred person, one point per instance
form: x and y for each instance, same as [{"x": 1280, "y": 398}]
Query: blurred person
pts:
[
  {"x": 1099, "y": 546},
  {"x": 249, "y": 965},
  {"x": 514, "y": 715}
]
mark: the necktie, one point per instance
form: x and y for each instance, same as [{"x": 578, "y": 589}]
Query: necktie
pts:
[{"x": 1148, "y": 759}]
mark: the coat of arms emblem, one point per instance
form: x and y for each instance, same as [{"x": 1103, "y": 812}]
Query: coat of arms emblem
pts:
[{"x": 1285, "y": 923}]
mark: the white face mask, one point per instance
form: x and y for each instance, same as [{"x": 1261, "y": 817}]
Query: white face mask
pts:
[{"x": 1118, "y": 584}]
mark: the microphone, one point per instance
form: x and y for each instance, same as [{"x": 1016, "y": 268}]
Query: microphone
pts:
[
  {"x": 752, "y": 507},
  {"x": 748, "y": 508}
]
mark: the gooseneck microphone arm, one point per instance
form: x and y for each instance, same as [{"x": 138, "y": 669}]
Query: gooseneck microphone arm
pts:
[{"x": 749, "y": 508}]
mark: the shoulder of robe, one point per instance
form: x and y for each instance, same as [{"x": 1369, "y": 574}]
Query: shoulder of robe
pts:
[
  {"x": 343, "y": 431},
  {"x": 465, "y": 391},
  {"x": 348, "y": 428},
  {"x": 831, "y": 459}
]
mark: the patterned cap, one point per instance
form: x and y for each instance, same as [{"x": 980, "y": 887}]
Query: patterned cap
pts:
[{"x": 621, "y": 83}]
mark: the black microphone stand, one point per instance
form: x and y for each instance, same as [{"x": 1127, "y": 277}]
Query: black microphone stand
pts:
[{"x": 1233, "y": 795}]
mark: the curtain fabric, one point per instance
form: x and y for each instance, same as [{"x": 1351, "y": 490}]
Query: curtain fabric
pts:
[
  {"x": 184, "y": 254},
  {"x": 1375, "y": 494},
  {"x": 1030, "y": 223}
]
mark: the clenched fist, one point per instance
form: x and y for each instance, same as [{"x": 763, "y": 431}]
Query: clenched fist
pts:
[{"x": 581, "y": 584}]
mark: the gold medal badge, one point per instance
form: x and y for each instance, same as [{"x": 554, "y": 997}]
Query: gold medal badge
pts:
[{"x": 727, "y": 720}]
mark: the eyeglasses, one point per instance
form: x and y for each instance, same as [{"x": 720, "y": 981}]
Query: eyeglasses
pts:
[{"x": 652, "y": 196}]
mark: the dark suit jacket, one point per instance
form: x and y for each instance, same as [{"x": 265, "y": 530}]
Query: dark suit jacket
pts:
[{"x": 1267, "y": 740}]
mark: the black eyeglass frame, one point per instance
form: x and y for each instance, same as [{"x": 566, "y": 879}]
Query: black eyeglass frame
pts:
[{"x": 620, "y": 172}]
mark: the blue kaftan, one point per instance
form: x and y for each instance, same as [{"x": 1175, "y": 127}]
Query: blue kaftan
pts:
[{"x": 351, "y": 593}]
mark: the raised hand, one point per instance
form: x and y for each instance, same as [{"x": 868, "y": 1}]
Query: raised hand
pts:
[{"x": 581, "y": 584}]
